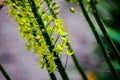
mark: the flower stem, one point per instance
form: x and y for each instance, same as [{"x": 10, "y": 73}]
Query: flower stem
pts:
[
  {"x": 4, "y": 72},
  {"x": 78, "y": 66},
  {"x": 102, "y": 27},
  {"x": 81, "y": 71},
  {"x": 99, "y": 40},
  {"x": 47, "y": 39},
  {"x": 52, "y": 76}
]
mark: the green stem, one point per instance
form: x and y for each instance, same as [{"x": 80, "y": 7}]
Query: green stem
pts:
[
  {"x": 81, "y": 71},
  {"x": 98, "y": 38},
  {"x": 4, "y": 72},
  {"x": 102, "y": 27},
  {"x": 61, "y": 69},
  {"x": 78, "y": 66},
  {"x": 52, "y": 76},
  {"x": 47, "y": 39}
]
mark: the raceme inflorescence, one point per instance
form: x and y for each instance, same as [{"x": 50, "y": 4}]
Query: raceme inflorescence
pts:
[{"x": 43, "y": 31}]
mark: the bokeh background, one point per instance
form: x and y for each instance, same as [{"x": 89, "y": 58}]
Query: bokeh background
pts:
[{"x": 22, "y": 65}]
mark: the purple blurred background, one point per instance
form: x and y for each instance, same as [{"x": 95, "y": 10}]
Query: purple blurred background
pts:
[{"x": 22, "y": 65}]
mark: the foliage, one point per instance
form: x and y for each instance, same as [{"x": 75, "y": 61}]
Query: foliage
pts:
[{"x": 45, "y": 34}]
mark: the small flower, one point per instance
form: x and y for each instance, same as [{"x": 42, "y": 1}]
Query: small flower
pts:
[
  {"x": 72, "y": 10},
  {"x": 59, "y": 48},
  {"x": 69, "y": 52}
]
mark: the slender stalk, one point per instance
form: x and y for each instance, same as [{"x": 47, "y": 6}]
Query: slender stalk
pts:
[
  {"x": 61, "y": 69},
  {"x": 102, "y": 27},
  {"x": 99, "y": 40},
  {"x": 78, "y": 66},
  {"x": 47, "y": 39},
  {"x": 52, "y": 76},
  {"x": 4, "y": 72}
]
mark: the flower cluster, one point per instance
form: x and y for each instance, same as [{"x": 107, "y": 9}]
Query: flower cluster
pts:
[
  {"x": 56, "y": 28},
  {"x": 29, "y": 28}
]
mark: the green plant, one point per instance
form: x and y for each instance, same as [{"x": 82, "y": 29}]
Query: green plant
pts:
[
  {"x": 113, "y": 49},
  {"x": 44, "y": 33},
  {"x": 4, "y": 72}
]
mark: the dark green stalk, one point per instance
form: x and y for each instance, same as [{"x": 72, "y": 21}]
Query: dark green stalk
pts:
[
  {"x": 52, "y": 76},
  {"x": 47, "y": 39},
  {"x": 98, "y": 38},
  {"x": 78, "y": 66},
  {"x": 4, "y": 72},
  {"x": 102, "y": 27},
  {"x": 81, "y": 71},
  {"x": 61, "y": 69}
]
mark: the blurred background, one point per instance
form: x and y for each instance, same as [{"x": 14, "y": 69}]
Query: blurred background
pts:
[{"x": 22, "y": 65}]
